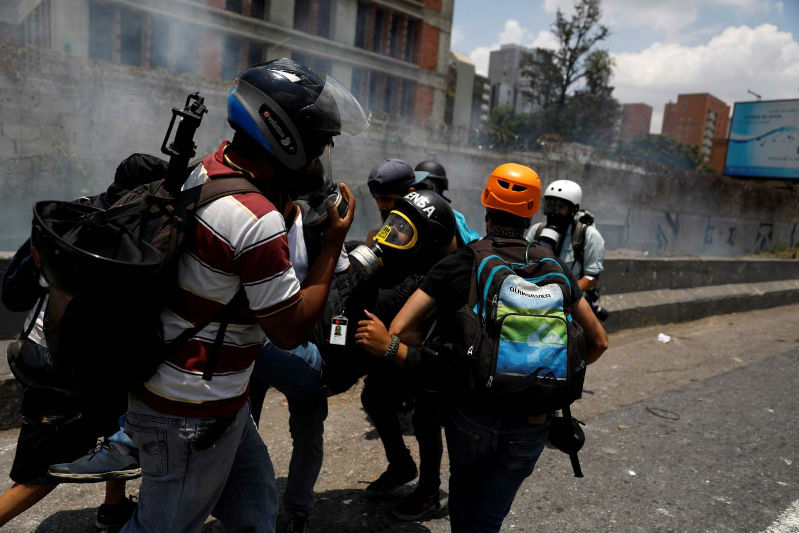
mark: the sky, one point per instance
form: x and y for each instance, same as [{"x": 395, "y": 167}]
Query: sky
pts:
[{"x": 661, "y": 48}]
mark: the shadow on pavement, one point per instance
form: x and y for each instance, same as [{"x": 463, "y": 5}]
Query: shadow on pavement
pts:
[
  {"x": 346, "y": 510},
  {"x": 71, "y": 521}
]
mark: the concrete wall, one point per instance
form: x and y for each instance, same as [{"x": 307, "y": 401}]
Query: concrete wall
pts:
[{"x": 65, "y": 124}]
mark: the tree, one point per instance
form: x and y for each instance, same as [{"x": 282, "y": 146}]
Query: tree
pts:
[
  {"x": 572, "y": 83},
  {"x": 509, "y": 131},
  {"x": 558, "y": 71},
  {"x": 663, "y": 150}
]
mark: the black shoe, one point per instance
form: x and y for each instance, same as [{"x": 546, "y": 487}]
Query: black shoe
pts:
[
  {"x": 114, "y": 515},
  {"x": 393, "y": 478},
  {"x": 296, "y": 522},
  {"x": 417, "y": 504}
]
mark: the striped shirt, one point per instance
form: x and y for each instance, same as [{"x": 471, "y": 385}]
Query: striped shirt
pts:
[{"x": 238, "y": 253}]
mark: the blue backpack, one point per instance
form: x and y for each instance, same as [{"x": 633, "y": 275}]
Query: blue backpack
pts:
[{"x": 520, "y": 346}]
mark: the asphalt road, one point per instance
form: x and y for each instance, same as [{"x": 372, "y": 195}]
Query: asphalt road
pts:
[{"x": 699, "y": 434}]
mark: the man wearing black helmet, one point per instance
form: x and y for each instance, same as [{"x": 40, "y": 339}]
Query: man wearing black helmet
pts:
[
  {"x": 438, "y": 182},
  {"x": 199, "y": 449},
  {"x": 418, "y": 231}
]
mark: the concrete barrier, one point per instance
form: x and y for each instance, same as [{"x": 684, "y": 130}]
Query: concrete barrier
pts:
[{"x": 624, "y": 275}]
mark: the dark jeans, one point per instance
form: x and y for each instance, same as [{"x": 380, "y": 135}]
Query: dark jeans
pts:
[
  {"x": 489, "y": 458},
  {"x": 297, "y": 373},
  {"x": 381, "y": 396}
]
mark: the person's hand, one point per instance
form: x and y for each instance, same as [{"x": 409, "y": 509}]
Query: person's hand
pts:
[
  {"x": 337, "y": 227},
  {"x": 372, "y": 335}
]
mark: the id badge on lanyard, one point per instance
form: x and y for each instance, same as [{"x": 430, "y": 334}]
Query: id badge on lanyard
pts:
[{"x": 338, "y": 330}]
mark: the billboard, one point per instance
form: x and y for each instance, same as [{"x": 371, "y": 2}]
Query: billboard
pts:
[{"x": 764, "y": 140}]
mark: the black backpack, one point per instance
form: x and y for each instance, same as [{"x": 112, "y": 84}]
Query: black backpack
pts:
[
  {"x": 113, "y": 271},
  {"x": 520, "y": 349}
]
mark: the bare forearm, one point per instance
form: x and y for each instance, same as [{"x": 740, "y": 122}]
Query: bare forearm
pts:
[
  {"x": 586, "y": 283},
  {"x": 418, "y": 307}
]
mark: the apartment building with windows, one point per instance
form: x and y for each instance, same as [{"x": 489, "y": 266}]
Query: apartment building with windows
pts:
[
  {"x": 635, "y": 121},
  {"x": 700, "y": 120},
  {"x": 393, "y": 54}
]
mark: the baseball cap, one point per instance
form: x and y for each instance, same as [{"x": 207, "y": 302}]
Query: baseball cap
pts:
[{"x": 394, "y": 176}]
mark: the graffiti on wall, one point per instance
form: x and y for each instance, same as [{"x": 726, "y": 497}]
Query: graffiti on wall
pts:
[
  {"x": 670, "y": 231},
  {"x": 765, "y": 234}
]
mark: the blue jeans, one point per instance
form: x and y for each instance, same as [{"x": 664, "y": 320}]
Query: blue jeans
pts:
[
  {"x": 489, "y": 458},
  {"x": 184, "y": 479},
  {"x": 297, "y": 373}
]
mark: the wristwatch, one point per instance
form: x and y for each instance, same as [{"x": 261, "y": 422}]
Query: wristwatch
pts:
[{"x": 393, "y": 347}]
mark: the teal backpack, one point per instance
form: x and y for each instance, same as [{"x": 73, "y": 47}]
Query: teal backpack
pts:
[{"x": 520, "y": 346}]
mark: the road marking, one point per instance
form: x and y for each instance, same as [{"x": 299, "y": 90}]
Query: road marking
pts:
[{"x": 787, "y": 522}]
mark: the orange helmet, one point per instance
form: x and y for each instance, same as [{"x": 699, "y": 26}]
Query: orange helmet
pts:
[{"x": 513, "y": 188}]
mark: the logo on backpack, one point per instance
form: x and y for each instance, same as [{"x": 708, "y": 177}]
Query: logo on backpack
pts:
[{"x": 521, "y": 346}]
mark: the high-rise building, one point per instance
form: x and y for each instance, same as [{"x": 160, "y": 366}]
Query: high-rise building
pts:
[
  {"x": 635, "y": 121},
  {"x": 481, "y": 101},
  {"x": 508, "y": 70},
  {"x": 699, "y": 120},
  {"x": 393, "y": 54},
  {"x": 459, "y": 92}
]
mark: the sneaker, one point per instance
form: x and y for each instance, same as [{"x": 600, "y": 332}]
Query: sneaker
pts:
[
  {"x": 393, "y": 478},
  {"x": 114, "y": 515},
  {"x": 417, "y": 504},
  {"x": 296, "y": 522},
  {"x": 104, "y": 463}
]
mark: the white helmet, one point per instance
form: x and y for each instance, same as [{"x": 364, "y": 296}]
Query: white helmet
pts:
[{"x": 565, "y": 190}]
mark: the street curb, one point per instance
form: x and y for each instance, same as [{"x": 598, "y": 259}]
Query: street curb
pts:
[{"x": 664, "y": 306}]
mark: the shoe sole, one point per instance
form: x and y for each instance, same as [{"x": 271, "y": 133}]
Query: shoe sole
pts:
[{"x": 119, "y": 475}]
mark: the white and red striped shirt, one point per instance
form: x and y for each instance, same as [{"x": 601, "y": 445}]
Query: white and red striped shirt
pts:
[{"x": 239, "y": 253}]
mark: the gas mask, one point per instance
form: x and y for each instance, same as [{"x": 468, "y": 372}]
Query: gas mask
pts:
[
  {"x": 318, "y": 189},
  {"x": 395, "y": 241},
  {"x": 557, "y": 224}
]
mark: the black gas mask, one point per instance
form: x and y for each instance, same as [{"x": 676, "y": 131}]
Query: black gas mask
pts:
[
  {"x": 396, "y": 241},
  {"x": 315, "y": 188},
  {"x": 558, "y": 222}
]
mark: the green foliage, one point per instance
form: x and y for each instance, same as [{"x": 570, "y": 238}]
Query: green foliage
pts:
[
  {"x": 508, "y": 131},
  {"x": 576, "y": 38},
  {"x": 587, "y": 114},
  {"x": 663, "y": 150}
]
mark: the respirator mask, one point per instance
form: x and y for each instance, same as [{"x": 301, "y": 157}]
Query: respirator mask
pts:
[
  {"x": 318, "y": 190},
  {"x": 557, "y": 223},
  {"x": 396, "y": 238}
]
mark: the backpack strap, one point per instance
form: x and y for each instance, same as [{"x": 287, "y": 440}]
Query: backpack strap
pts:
[
  {"x": 34, "y": 317},
  {"x": 575, "y": 461},
  {"x": 221, "y": 187},
  {"x": 578, "y": 244}
]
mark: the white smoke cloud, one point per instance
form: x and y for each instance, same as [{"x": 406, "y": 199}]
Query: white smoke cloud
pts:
[{"x": 763, "y": 59}]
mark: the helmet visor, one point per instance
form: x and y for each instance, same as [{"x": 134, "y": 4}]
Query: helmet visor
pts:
[
  {"x": 556, "y": 206},
  {"x": 335, "y": 100},
  {"x": 398, "y": 232}
]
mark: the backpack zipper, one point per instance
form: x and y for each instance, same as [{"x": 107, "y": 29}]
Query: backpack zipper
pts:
[{"x": 494, "y": 302}]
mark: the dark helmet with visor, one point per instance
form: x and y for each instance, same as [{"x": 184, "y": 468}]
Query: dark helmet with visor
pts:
[
  {"x": 291, "y": 111},
  {"x": 436, "y": 174},
  {"x": 421, "y": 221}
]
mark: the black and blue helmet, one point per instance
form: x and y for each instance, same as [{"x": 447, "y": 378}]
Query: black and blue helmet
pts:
[{"x": 291, "y": 111}]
